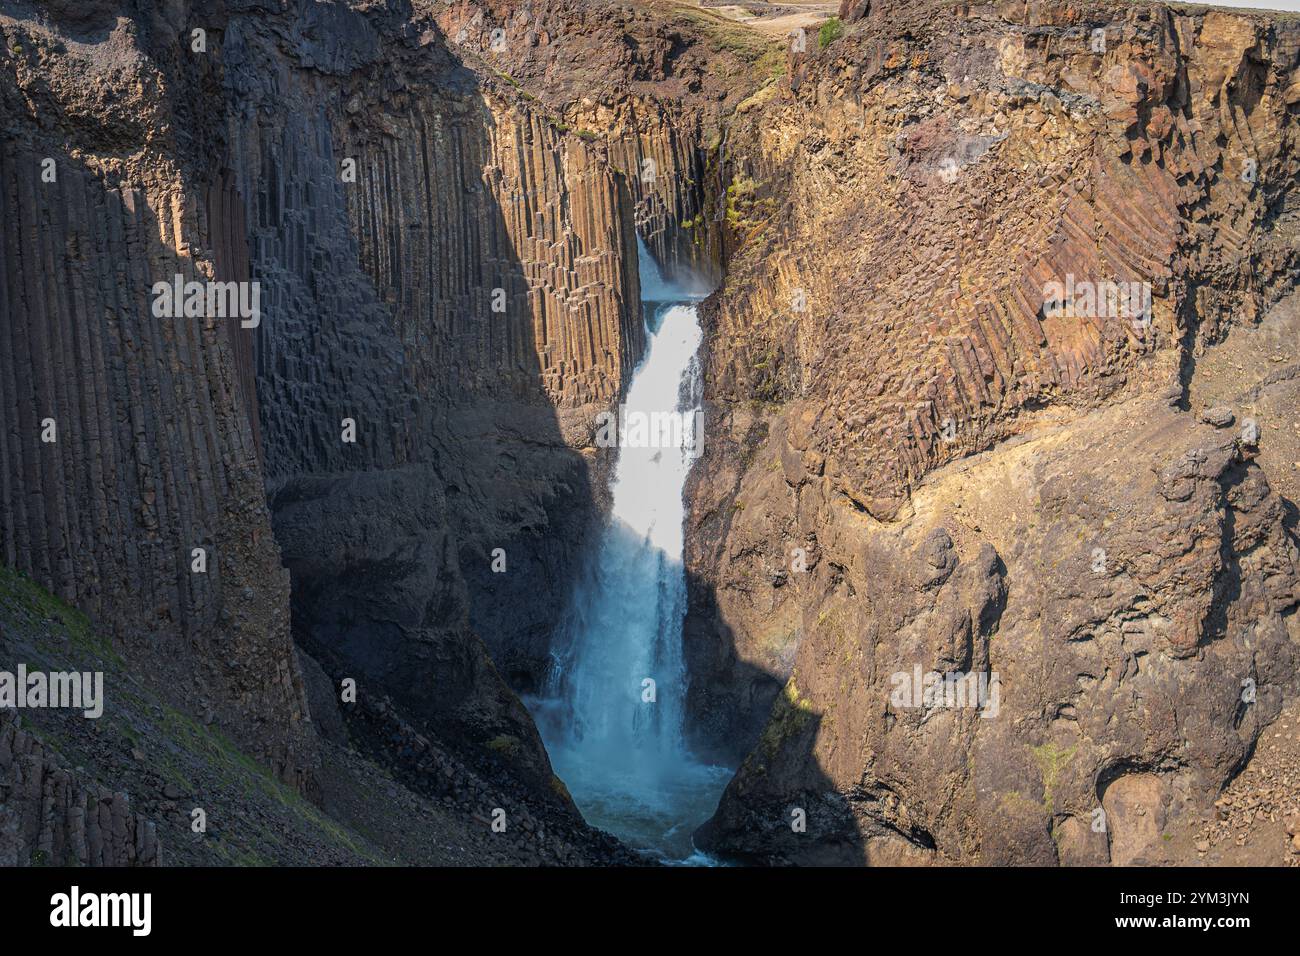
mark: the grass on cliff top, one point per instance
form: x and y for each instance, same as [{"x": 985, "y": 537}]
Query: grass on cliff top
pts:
[
  {"x": 1198, "y": 9},
  {"x": 764, "y": 54}
]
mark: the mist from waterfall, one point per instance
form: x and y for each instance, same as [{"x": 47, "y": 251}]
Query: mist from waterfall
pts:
[{"x": 612, "y": 713}]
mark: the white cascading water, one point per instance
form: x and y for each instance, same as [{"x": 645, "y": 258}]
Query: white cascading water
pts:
[{"x": 622, "y": 755}]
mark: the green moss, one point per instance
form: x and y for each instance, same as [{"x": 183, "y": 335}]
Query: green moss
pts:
[
  {"x": 770, "y": 89},
  {"x": 239, "y": 772},
  {"x": 28, "y": 602},
  {"x": 560, "y": 789},
  {"x": 790, "y": 715},
  {"x": 247, "y": 857},
  {"x": 831, "y": 31},
  {"x": 1051, "y": 760},
  {"x": 178, "y": 747},
  {"x": 746, "y": 212},
  {"x": 504, "y": 745}
]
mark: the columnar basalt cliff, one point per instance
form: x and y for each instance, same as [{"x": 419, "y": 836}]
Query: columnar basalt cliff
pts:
[
  {"x": 1122, "y": 570},
  {"x": 1000, "y": 386},
  {"x": 445, "y": 272},
  {"x": 126, "y": 444},
  {"x": 46, "y": 814},
  {"x": 653, "y": 84},
  {"x": 456, "y": 277}
]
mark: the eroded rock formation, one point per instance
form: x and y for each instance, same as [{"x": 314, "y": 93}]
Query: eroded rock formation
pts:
[
  {"x": 652, "y": 84},
  {"x": 49, "y": 817},
  {"x": 939, "y": 436},
  {"x": 468, "y": 300},
  {"x": 913, "y": 198},
  {"x": 1120, "y": 580},
  {"x": 446, "y": 273},
  {"x": 126, "y": 443}
]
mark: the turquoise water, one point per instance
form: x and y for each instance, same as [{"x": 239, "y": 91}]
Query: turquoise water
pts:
[{"x": 612, "y": 716}]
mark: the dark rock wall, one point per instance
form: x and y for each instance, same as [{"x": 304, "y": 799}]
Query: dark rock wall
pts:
[
  {"x": 48, "y": 817},
  {"x": 228, "y": 231},
  {"x": 474, "y": 426},
  {"x": 474, "y": 408},
  {"x": 155, "y": 452}
]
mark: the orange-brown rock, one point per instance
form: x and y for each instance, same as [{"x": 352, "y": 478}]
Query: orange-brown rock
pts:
[{"x": 911, "y": 209}]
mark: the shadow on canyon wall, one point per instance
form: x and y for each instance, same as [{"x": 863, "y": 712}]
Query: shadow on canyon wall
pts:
[
  {"x": 376, "y": 307},
  {"x": 391, "y": 539},
  {"x": 152, "y": 456},
  {"x": 783, "y": 806}
]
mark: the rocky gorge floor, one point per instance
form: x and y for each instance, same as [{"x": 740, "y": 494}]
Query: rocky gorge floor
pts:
[{"x": 151, "y": 766}]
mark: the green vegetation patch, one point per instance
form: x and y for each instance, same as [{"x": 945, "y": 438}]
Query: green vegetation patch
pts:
[
  {"x": 504, "y": 745},
  {"x": 1052, "y": 759},
  {"x": 831, "y": 31},
  {"x": 791, "y": 715},
  {"x": 202, "y": 761},
  {"x": 25, "y": 602}
]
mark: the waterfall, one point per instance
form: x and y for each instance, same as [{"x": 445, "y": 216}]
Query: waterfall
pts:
[{"x": 612, "y": 713}]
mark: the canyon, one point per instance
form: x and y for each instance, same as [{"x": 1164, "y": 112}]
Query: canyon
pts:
[{"x": 925, "y": 449}]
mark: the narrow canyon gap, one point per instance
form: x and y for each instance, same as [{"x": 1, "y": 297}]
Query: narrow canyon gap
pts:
[{"x": 612, "y": 712}]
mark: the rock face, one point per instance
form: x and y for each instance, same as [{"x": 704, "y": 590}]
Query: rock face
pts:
[
  {"x": 447, "y": 297},
  {"x": 926, "y": 207},
  {"x": 991, "y": 395},
  {"x": 652, "y": 85},
  {"x": 125, "y": 443},
  {"x": 468, "y": 301},
  {"x": 1116, "y": 584},
  {"x": 1001, "y": 158},
  {"x": 47, "y": 816}
]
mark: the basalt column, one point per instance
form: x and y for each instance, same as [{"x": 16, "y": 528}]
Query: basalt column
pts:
[
  {"x": 449, "y": 292},
  {"x": 125, "y": 444}
]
